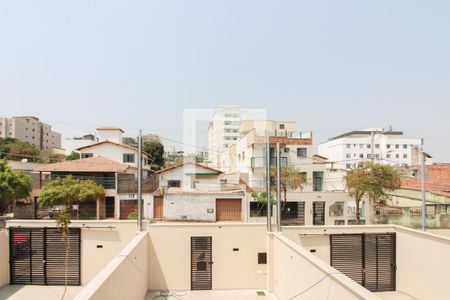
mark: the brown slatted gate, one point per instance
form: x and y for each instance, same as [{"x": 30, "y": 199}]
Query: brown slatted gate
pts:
[
  {"x": 37, "y": 256},
  {"x": 201, "y": 263},
  {"x": 319, "y": 213},
  {"x": 368, "y": 259},
  {"x": 228, "y": 210},
  {"x": 158, "y": 204}
]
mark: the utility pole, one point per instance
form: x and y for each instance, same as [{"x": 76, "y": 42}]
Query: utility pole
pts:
[
  {"x": 269, "y": 198},
  {"x": 423, "y": 177},
  {"x": 139, "y": 181},
  {"x": 278, "y": 190}
]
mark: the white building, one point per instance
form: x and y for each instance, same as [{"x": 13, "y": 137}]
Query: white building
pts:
[
  {"x": 321, "y": 200},
  {"x": 71, "y": 144},
  {"x": 109, "y": 145},
  {"x": 30, "y": 129},
  {"x": 388, "y": 147},
  {"x": 223, "y": 132}
]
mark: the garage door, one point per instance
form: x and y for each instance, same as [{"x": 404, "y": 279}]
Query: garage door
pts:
[
  {"x": 368, "y": 259},
  {"x": 37, "y": 256},
  {"x": 228, "y": 210}
]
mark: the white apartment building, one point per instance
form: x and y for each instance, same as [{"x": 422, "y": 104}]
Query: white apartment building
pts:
[
  {"x": 30, "y": 129},
  {"x": 71, "y": 144},
  {"x": 223, "y": 132},
  {"x": 388, "y": 147}
]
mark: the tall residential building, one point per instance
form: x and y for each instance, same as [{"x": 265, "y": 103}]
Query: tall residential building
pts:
[
  {"x": 387, "y": 146},
  {"x": 223, "y": 132},
  {"x": 30, "y": 129}
]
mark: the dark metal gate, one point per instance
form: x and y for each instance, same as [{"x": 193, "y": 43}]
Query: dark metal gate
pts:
[
  {"x": 201, "y": 263},
  {"x": 369, "y": 259},
  {"x": 37, "y": 256},
  {"x": 319, "y": 213}
]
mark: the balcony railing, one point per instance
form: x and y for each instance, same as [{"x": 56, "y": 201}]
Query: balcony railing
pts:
[
  {"x": 260, "y": 162},
  {"x": 108, "y": 181},
  {"x": 127, "y": 184}
]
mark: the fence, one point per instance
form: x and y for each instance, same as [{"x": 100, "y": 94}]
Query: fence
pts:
[{"x": 437, "y": 216}]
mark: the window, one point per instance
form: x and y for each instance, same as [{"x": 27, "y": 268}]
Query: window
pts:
[
  {"x": 348, "y": 166},
  {"x": 361, "y": 146},
  {"x": 377, "y": 146},
  {"x": 361, "y": 155},
  {"x": 348, "y": 155},
  {"x": 317, "y": 181},
  {"x": 348, "y": 146},
  {"x": 337, "y": 209},
  {"x": 128, "y": 157},
  {"x": 301, "y": 152},
  {"x": 339, "y": 222},
  {"x": 174, "y": 183},
  {"x": 377, "y": 155},
  {"x": 405, "y": 146},
  {"x": 281, "y": 126},
  {"x": 397, "y": 146},
  {"x": 388, "y": 156},
  {"x": 397, "y": 155},
  {"x": 368, "y": 146},
  {"x": 262, "y": 258},
  {"x": 405, "y": 155},
  {"x": 388, "y": 146},
  {"x": 286, "y": 150},
  {"x": 86, "y": 155},
  {"x": 243, "y": 155}
]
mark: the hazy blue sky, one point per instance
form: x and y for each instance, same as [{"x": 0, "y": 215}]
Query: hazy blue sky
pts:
[{"x": 332, "y": 66}]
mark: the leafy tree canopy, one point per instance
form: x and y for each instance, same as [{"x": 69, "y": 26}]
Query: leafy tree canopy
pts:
[
  {"x": 156, "y": 151},
  {"x": 14, "y": 149},
  {"x": 371, "y": 180},
  {"x": 68, "y": 190},
  {"x": 73, "y": 156},
  {"x": 14, "y": 185},
  {"x": 130, "y": 141}
]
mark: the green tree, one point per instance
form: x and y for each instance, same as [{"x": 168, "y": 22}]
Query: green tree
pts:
[
  {"x": 52, "y": 158},
  {"x": 156, "y": 151},
  {"x": 130, "y": 141},
  {"x": 290, "y": 177},
  {"x": 199, "y": 159},
  {"x": 73, "y": 156},
  {"x": 371, "y": 180},
  {"x": 60, "y": 194},
  {"x": 14, "y": 149},
  {"x": 14, "y": 185}
]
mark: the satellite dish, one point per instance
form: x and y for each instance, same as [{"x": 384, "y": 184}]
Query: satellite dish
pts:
[{"x": 24, "y": 160}]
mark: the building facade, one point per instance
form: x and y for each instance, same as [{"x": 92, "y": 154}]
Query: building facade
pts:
[
  {"x": 223, "y": 132},
  {"x": 30, "y": 129},
  {"x": 387, "y": 147}
]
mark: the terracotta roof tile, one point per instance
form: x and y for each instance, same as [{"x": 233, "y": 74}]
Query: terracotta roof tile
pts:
[
  {"x": 91, "y": 164},
  {"x": 436, "y": 186}
]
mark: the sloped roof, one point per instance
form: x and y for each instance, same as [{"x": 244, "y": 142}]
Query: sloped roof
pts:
[
  {"x": 186, "y": 163},
  {"x": 435, "y": 186},
  {"x": 91, "y": 164},
  {"x": 112, "y": 143},
  {"x": 184, "y": 191}
]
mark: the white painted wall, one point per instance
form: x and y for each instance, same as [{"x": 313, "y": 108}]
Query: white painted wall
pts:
[
  {"x": 170, "y": 255},
  {"x": 184, "y": 174},
  {"x": 4, "y": 258},
  {"x": 190, "y": 207},
  {"x": 125, "y": 277}
]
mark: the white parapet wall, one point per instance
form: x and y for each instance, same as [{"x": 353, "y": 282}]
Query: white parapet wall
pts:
[
  {"x": 423, "y": 264},
  {"x": 125, "y": 277},
  {"x": 4, "y": 257},
  {"x": 297, "y": 274}
]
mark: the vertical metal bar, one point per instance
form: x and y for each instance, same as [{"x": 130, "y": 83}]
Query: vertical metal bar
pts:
[
  {"x": 278, "y": 190},
  {"x": 423, "y": 177},
  {"x": 376, "y": 260},
  {"x": 394, "y": 261},
  {"x": 363, "y": 250},
  {"x": 11, "y": 256},
  {"x": 139, "y": 183},
  {"x": 269, "y": 198},
  {"x": 44, "y": 246},
  {"x": 79, "y": 256},
  {"x": 30, "y": 256}
]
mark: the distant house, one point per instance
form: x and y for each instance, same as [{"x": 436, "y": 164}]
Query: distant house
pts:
[
  {"x": 190, "y": 175},
  {"x": 118, "y": 180}
]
